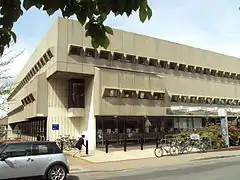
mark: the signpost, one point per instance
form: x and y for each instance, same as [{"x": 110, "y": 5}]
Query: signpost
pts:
[{"x": 224, "y": 125}]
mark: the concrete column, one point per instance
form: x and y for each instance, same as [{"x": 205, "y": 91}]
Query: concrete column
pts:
[{"x": 90, "y": 118}]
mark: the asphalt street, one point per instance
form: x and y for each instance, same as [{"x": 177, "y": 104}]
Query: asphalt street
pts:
[{"x": 215, "y": 169}]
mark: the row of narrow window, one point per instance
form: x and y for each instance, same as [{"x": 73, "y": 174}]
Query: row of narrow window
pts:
[
  {"x": 42, "y": 62},
  {"x": 204, "y": 100},
  {"x": 133, "y": 94},
  {"x": 108, "y": 92},
  {"x": 28, "y": 99},
  {"x": 128, "y": 58}
]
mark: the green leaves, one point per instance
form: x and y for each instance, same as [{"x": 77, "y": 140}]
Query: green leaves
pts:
[
  {"x": 91, "y": 13},
  {"x": 108, "y": 30},
  {"x": 27, "y": 4},
  {"x": 143, "y": 14},
  {"x": 10, "y": 11},
  {"x": 145, "y": 11},
  {"x": 13, "y": 35}
]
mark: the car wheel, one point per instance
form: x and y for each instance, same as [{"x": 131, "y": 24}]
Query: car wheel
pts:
[{"x": 57, "y": 172}]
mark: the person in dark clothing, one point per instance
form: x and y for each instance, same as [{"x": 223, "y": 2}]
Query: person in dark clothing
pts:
[
  {"x": 79, "y": 145},
  {"x": 38, "y": 137}
]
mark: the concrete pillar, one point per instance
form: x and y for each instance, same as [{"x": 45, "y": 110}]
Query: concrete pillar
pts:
[{"x": 90, "y": 120}]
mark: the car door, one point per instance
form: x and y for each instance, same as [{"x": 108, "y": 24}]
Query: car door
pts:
[
  {"x": 17, "y": 162},
  {"x": 43, "y": 157}
]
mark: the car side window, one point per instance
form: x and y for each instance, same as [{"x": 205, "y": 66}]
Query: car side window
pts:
[
  {"x": 41, "y": 149},
  {"x": 17, "y": 150}
]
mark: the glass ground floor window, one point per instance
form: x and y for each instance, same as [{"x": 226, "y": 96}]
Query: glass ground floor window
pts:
[
  {"x": 116, "y": 129},
  {"x": 31, "y": 129}
]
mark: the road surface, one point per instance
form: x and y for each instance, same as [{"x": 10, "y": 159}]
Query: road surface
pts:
[{"x": 215, "y": 169}]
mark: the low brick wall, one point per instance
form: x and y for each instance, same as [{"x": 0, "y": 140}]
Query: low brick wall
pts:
[{"x": 12, "y": 140}]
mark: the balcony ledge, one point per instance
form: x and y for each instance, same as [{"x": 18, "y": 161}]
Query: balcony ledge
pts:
[{"x": 76, "y": 112}]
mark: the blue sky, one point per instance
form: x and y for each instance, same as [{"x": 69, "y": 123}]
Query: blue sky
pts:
[{"x": 212, "y": 25}]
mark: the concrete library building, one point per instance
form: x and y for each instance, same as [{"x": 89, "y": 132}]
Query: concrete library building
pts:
[{"x": 140, "y": 87}]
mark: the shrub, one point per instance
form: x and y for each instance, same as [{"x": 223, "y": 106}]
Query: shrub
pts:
[{"x": 210, "y": 131}]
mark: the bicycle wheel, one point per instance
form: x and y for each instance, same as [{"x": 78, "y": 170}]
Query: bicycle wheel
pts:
[
  {"x": 174, "y": 151},
  {"x": 181, "y": 148},
  {"x": 67, "y": 146},
  {"x": 189, "y": 147},
  {"x": 58, "y": 142},
  {"x": 204, "y": 147},
  {"x": 158, "y": 152}
]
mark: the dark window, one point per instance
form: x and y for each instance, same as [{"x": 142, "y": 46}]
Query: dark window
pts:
[
  {"x": 175, "y": 98},
  {"x": 76, "y": 50},
  {"x": 41, "y": 149},
  {"x": 18, "y": 150},
  {"x": 158, "y": 95},
  {"x": 118, "y": 56},
  {"x": 191, "y": 69},
  {"x": 46, "y": 57},
  {"x": 184, "y": 99},
  {"x": 105, "y": 55},
  {"x": 77, "y": 93},
  {"x": 49, "y": 52},
  {"x": 111, "y": 92},
  {"x": 173, "y": 65},
  {"x": 182, "y": 67},
  {"x": 144, "y": 95},
  {"x": 129, "y": 94}
]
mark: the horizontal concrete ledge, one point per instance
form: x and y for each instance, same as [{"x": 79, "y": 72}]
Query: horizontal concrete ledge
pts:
[{"x": 76, "y": 112}]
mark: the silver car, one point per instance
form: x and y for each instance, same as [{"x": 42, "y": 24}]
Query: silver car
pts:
[{"x": 32, "y": 159}]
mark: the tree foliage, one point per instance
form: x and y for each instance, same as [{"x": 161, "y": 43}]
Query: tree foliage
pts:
[
  {"x": 211, "y": 132},
  {"x": 9, "y": 56},
  {"x": 91, "y": 13}
]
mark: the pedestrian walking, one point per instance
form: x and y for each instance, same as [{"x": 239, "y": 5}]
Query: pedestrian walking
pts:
[{"x": 79, "y": 145}]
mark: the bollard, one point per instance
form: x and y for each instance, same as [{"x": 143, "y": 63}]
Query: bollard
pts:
[
  {"x": 141, "y": 142},
  {"x": 106, "y": 146},
  {"x": 86, "y": 147},
  {"x": 125, "y": 144},
  {"x": 156, "y": 142},
  {"x": 61, "y": 145}
]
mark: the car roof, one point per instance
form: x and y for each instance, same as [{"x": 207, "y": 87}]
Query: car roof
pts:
[{"x": 29, "y": 142}]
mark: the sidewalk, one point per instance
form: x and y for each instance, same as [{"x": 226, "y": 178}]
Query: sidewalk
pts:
[
  {"x": 101, "y": 156},
  {"x": 136, "y": 159}
]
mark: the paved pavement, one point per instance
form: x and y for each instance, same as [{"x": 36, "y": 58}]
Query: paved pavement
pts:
[
  {"x": 101, "y": 156},
  {"x": 81, "y": 165},
  {"x": 215, "y": 169}
]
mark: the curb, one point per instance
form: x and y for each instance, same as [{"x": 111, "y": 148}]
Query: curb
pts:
[
  {"x": 214, "y": 157},
  {"x": 87, "y": 161},
  {"x": 226, "y": 149},
  {"x": 98, "y": 171}
]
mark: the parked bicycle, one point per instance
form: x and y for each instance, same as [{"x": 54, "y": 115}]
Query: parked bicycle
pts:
[
  {"x": 170, "y": 148},
  {"x": 184, "y": 145},
  {"x": 203, "y": 145},
  {"x": 66, "y": 142}
]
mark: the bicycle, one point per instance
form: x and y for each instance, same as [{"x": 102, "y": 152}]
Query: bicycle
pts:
[
  {"x": 203, "y": 145},
  {"x": 169, "y": 148},
  {"x": 184, "y": 145},
  {"x": 66, "y": 142}
]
